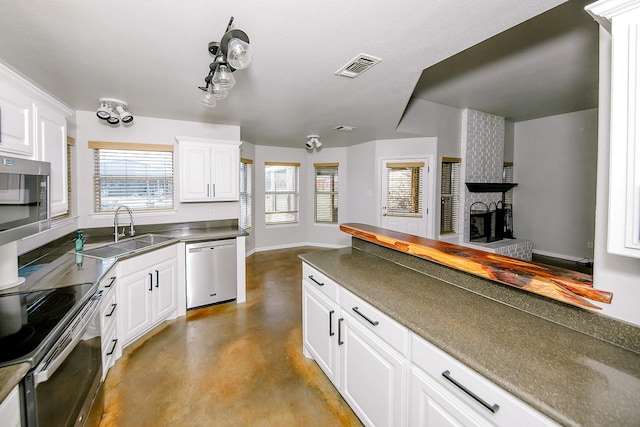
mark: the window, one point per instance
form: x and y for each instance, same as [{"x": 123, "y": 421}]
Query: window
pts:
[
  {"x": 281, "y": 192},
  {"x": 137, "y": 175},
  {"x": 404, "y": 189},
  {"x": 449, "y": 195},
  {"x": 326, "y": 192},
  {"x": 246, "y": 173}
]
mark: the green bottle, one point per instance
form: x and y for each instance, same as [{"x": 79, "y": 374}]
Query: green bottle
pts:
[{"x": 79, "y": 241}]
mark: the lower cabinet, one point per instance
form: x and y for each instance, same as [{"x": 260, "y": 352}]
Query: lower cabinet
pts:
[
  {"x": 109, "y": 311},
  {"x": 391, "y": 376},
  {"x": 146, "y": 292},
  {"x": 10, "y": 409}
]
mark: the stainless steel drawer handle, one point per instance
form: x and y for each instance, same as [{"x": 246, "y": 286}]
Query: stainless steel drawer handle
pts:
[
  {"x": 115, "y": 342},
  {"x": 373, "y": 322},
  {"x": 493, "y": 408},
  {"x": 113, "y": 308},
  {"x": 315, "y": 281}
]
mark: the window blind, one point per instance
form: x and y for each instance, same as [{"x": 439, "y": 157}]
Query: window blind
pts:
[
  {"x": 246, "y": 206},
  {"x": 449, "y": 195},
  {"x": 507, "y": 176},
  {"x": 141, "y": 179},
  {"x": 281, "y": 192},
  {"x": 404, "y": 189},
  {"x": 326, "y": 192}
]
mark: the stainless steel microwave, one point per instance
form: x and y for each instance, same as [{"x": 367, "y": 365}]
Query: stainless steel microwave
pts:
[{"x": 24, "y": 198}]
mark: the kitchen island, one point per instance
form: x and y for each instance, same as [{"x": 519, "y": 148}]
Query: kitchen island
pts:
[{"x": 572, "y": 365}]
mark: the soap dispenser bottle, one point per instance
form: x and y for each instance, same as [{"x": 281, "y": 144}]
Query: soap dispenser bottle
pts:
[{"x": 79, "y": 240}]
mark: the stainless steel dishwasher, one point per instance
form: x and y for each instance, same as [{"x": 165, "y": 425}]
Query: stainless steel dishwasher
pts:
[{"x": 211, "y": 272}]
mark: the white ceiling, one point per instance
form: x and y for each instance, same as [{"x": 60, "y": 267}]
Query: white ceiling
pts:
[{"x": 153, "y": 54}]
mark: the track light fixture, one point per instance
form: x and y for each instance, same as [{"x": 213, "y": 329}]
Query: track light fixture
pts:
[
  {"x": 233, "y": 52},
  {"x": 113, "y": 111},
  {"x": 313, "y": 141}
]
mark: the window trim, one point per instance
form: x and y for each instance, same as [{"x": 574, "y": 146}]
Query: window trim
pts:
[
  {"x": 296, "y": 192},
  {"x": 317, "y": 166}
]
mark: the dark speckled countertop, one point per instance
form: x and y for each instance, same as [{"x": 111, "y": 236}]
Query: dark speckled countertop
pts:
[{"x": 569, "y": 376}]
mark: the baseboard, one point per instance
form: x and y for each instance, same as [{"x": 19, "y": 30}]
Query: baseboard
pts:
[
  {"x": 561, "y": 256},
  {"x": 297, "y": 245}
]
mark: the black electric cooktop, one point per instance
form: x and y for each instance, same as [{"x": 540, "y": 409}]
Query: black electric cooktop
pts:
[{"x": 30, "y": 320}]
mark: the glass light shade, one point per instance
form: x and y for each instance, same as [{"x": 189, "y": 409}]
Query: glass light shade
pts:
[
  {"x": 219, "y": 92},
  {"x": 223, "y": 77},
  {"x": 209, "y": 98},
  {"x": 239, "y": 54}
]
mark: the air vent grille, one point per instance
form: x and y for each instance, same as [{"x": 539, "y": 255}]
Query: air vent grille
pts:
[{"x": 358, "y": 65}]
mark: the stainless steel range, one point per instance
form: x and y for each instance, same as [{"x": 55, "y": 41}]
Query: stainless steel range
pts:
[{"x": 57, "y": 331}]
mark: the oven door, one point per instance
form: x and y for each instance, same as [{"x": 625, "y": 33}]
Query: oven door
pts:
[{"x": 60, "y": 391}]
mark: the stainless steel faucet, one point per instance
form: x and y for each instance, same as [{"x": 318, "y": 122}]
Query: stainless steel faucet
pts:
[{"x": 117, "y": 235}]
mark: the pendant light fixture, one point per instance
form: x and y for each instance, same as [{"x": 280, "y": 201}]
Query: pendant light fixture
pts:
[{"x": 232, "y": 53}]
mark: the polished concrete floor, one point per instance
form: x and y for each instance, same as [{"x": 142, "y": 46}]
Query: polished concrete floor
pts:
[{"x": 227, "y": 365}]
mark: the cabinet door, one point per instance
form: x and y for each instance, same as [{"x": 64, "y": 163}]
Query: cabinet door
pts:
[
  {"x": 226, "y": 172},
  {"x": 135, "y": 303},
  {"x": 319, "y": 326},
  {"x": 10, "y": 409},
  {"x": 164, "y": 289},
  {"x": 373, "y": 376},
  {"x": 52, "y": 147},
  {"x": 195, "y": 172},
  {"x": 16, "y": 133},
  {"x": 431, "y": 405}
]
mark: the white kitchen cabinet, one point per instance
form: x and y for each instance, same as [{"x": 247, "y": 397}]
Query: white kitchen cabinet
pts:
[
  {"x": 16, "y": 116},
  {"x": 444, "y": 391},
  {"x": 623, "y": 19},
  {"x": 10, "y": 409},
  {"x": 109, "y": 312},
  {"x": 147, "y": 292},
  {"x": 373, "y": 375},
  {"x": 52, "y": 148},
  {"x": 209, "y": 170},
  {"x": 319, "y": 332}
]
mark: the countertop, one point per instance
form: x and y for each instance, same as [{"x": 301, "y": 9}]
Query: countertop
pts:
[
  {"x": 56, "y": 265},
  {"x": 569, "y": 376}
]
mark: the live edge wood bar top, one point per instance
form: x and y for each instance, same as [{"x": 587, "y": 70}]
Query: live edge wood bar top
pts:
[
  {"x": 573, "y": 377},
  {"x": 557, "y": 283}
]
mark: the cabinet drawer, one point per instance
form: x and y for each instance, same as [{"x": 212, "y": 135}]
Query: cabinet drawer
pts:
[
  {"x": 373, "y": 319},
  {"x": 490, "y": 401},
  {"x": 108, "y": 310},
  {"x": 145, "y": 260},
  {"x": 320, "y": 281}
]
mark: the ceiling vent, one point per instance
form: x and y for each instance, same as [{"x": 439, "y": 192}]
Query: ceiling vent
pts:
[
  {"x": 343, "y": 128},
  {"x": 358, "y": 65}
]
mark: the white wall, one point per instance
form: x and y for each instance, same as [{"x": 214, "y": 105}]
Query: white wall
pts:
[
  {"x": 614, "y": 273},
  {"x": 555, "y": 168},
  {"x": 361, "y": 184},
  {"x": 144, "y": 130}
]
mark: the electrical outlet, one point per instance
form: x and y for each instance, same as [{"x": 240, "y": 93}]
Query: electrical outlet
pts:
[
  {"x": 212, "y": 213},
  {"x": 590, "y": 245}
]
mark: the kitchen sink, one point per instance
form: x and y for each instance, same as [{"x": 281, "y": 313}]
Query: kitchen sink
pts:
[{"x": 127, "y": 247}]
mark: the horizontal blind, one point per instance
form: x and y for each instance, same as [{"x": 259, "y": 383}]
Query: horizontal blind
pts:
[
  {"x": 404, "y": 189},
  {"x": 507, "y": 176},
  {"x": 142, "y": 180},
  {"x": 326, "y": 192},
  {"x": 449, "y": 196},
  {"x": 281, "y": 192},
  {"x": 246, "y": 205}
]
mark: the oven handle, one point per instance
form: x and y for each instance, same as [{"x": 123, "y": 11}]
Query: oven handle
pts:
[{"x": 67, "y": 341}]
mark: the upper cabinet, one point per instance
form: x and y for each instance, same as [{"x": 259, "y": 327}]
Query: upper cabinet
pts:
[
  {"x": 622, "y": 20},
  {"x": 33, "y": 125},
  {"x": 209, "y": 169}
]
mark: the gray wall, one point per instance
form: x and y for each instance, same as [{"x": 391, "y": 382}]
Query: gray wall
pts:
[{"x": 555, "y": 168}]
